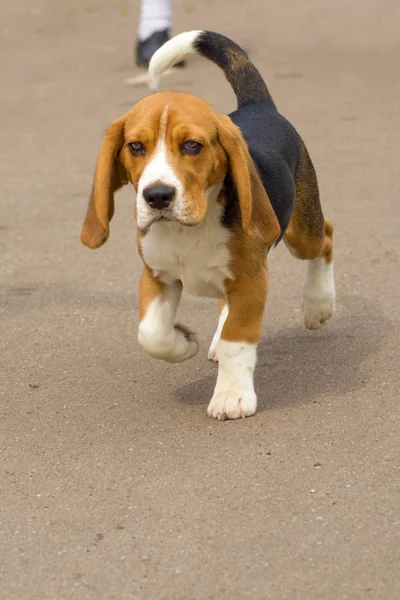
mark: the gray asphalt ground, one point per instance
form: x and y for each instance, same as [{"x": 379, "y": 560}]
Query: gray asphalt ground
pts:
[{"x": 114, "y": 483}]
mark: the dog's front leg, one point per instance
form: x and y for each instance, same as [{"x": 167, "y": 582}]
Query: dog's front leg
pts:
[
  {"x": 234, "y": 394},
  {"x": 158, "y": 333}
]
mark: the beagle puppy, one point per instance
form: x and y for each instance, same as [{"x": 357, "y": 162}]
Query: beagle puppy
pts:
[{"x": 214, "y": 194}]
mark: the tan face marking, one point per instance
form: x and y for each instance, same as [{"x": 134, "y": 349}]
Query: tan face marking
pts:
[
  {"x": 150, "y": 142},
  {"x": 163, "y": 123}
]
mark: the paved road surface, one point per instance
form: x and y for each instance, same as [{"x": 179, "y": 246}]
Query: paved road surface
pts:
[{"x": 114, "y": 483}]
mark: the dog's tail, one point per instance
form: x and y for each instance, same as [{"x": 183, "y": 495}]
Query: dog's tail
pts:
[{"x": 243, "y": 76}]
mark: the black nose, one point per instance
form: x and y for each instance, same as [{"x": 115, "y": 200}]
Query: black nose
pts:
[{"x": 159, "y": 196}]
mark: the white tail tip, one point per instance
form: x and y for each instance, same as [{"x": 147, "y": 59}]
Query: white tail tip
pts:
[{"x": 172, "y": 52}]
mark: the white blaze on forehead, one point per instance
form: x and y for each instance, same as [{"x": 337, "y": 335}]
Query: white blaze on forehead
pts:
[
  {"x": 158, "y": 168},
  {"x": 163, "y": 123}
]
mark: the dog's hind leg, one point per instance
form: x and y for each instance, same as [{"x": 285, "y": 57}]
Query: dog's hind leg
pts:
[
  {"x": 223, "y": 313},
  {"x": 309, "y": 237}
]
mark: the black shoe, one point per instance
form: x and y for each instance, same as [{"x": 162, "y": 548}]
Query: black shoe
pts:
[{"x": 146, "y": 48}]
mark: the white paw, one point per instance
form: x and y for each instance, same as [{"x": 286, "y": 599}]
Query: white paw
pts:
[
  {"x": 212, "y": 352},
  {"x": 318, "y": 310},
  {"x": 186, "y": 344},
  {"x": 319, "y": 293},
  {"x": 232, "y": 404},
  {"x": 175, "y": 346},
  {"x": 234, "y": 395}
]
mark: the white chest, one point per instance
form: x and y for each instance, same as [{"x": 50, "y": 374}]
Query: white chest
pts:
[{"x": 198, "y": 256}]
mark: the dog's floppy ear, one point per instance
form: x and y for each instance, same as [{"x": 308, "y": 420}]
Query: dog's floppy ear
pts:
[
  {"x": 110, "y": 176},
  {"x": 258, "y": 217}
]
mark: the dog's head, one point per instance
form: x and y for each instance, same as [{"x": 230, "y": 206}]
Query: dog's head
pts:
[{"x": 174, "y": 149}]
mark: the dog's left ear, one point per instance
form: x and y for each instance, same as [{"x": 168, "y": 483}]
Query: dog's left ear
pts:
[
  {"x": 110, "y": 176},
  {"x": 258, "y": 217}
]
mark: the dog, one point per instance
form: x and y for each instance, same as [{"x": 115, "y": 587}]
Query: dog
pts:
[{"x": 215, "y": 194}]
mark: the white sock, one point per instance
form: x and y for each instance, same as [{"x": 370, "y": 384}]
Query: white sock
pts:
[{"x": 155, "y": 15}]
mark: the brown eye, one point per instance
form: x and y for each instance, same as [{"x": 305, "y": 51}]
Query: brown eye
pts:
[
  {"x": 191, "y": 147},
  {"x": 137, "y": 148}
]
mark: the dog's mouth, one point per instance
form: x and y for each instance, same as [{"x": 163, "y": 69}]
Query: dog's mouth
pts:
[{"x": 162, "y": 217}]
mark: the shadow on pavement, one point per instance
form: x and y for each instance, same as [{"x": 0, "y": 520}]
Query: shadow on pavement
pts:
[{"x": 300, "y": 366}]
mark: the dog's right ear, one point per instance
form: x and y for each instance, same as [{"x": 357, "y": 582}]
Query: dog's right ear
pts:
[{"x": 110, "y": 176}]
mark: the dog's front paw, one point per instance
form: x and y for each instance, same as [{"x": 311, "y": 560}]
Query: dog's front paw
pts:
[
  {"x": 234, "y": 395},
  {"x": 232, "y": 404},
  {"x": 186, "y": 344},
  {"x": 176, "y": 345}
]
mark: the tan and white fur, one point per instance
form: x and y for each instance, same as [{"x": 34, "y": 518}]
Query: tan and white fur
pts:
[{"x": 183, "y": 241}]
